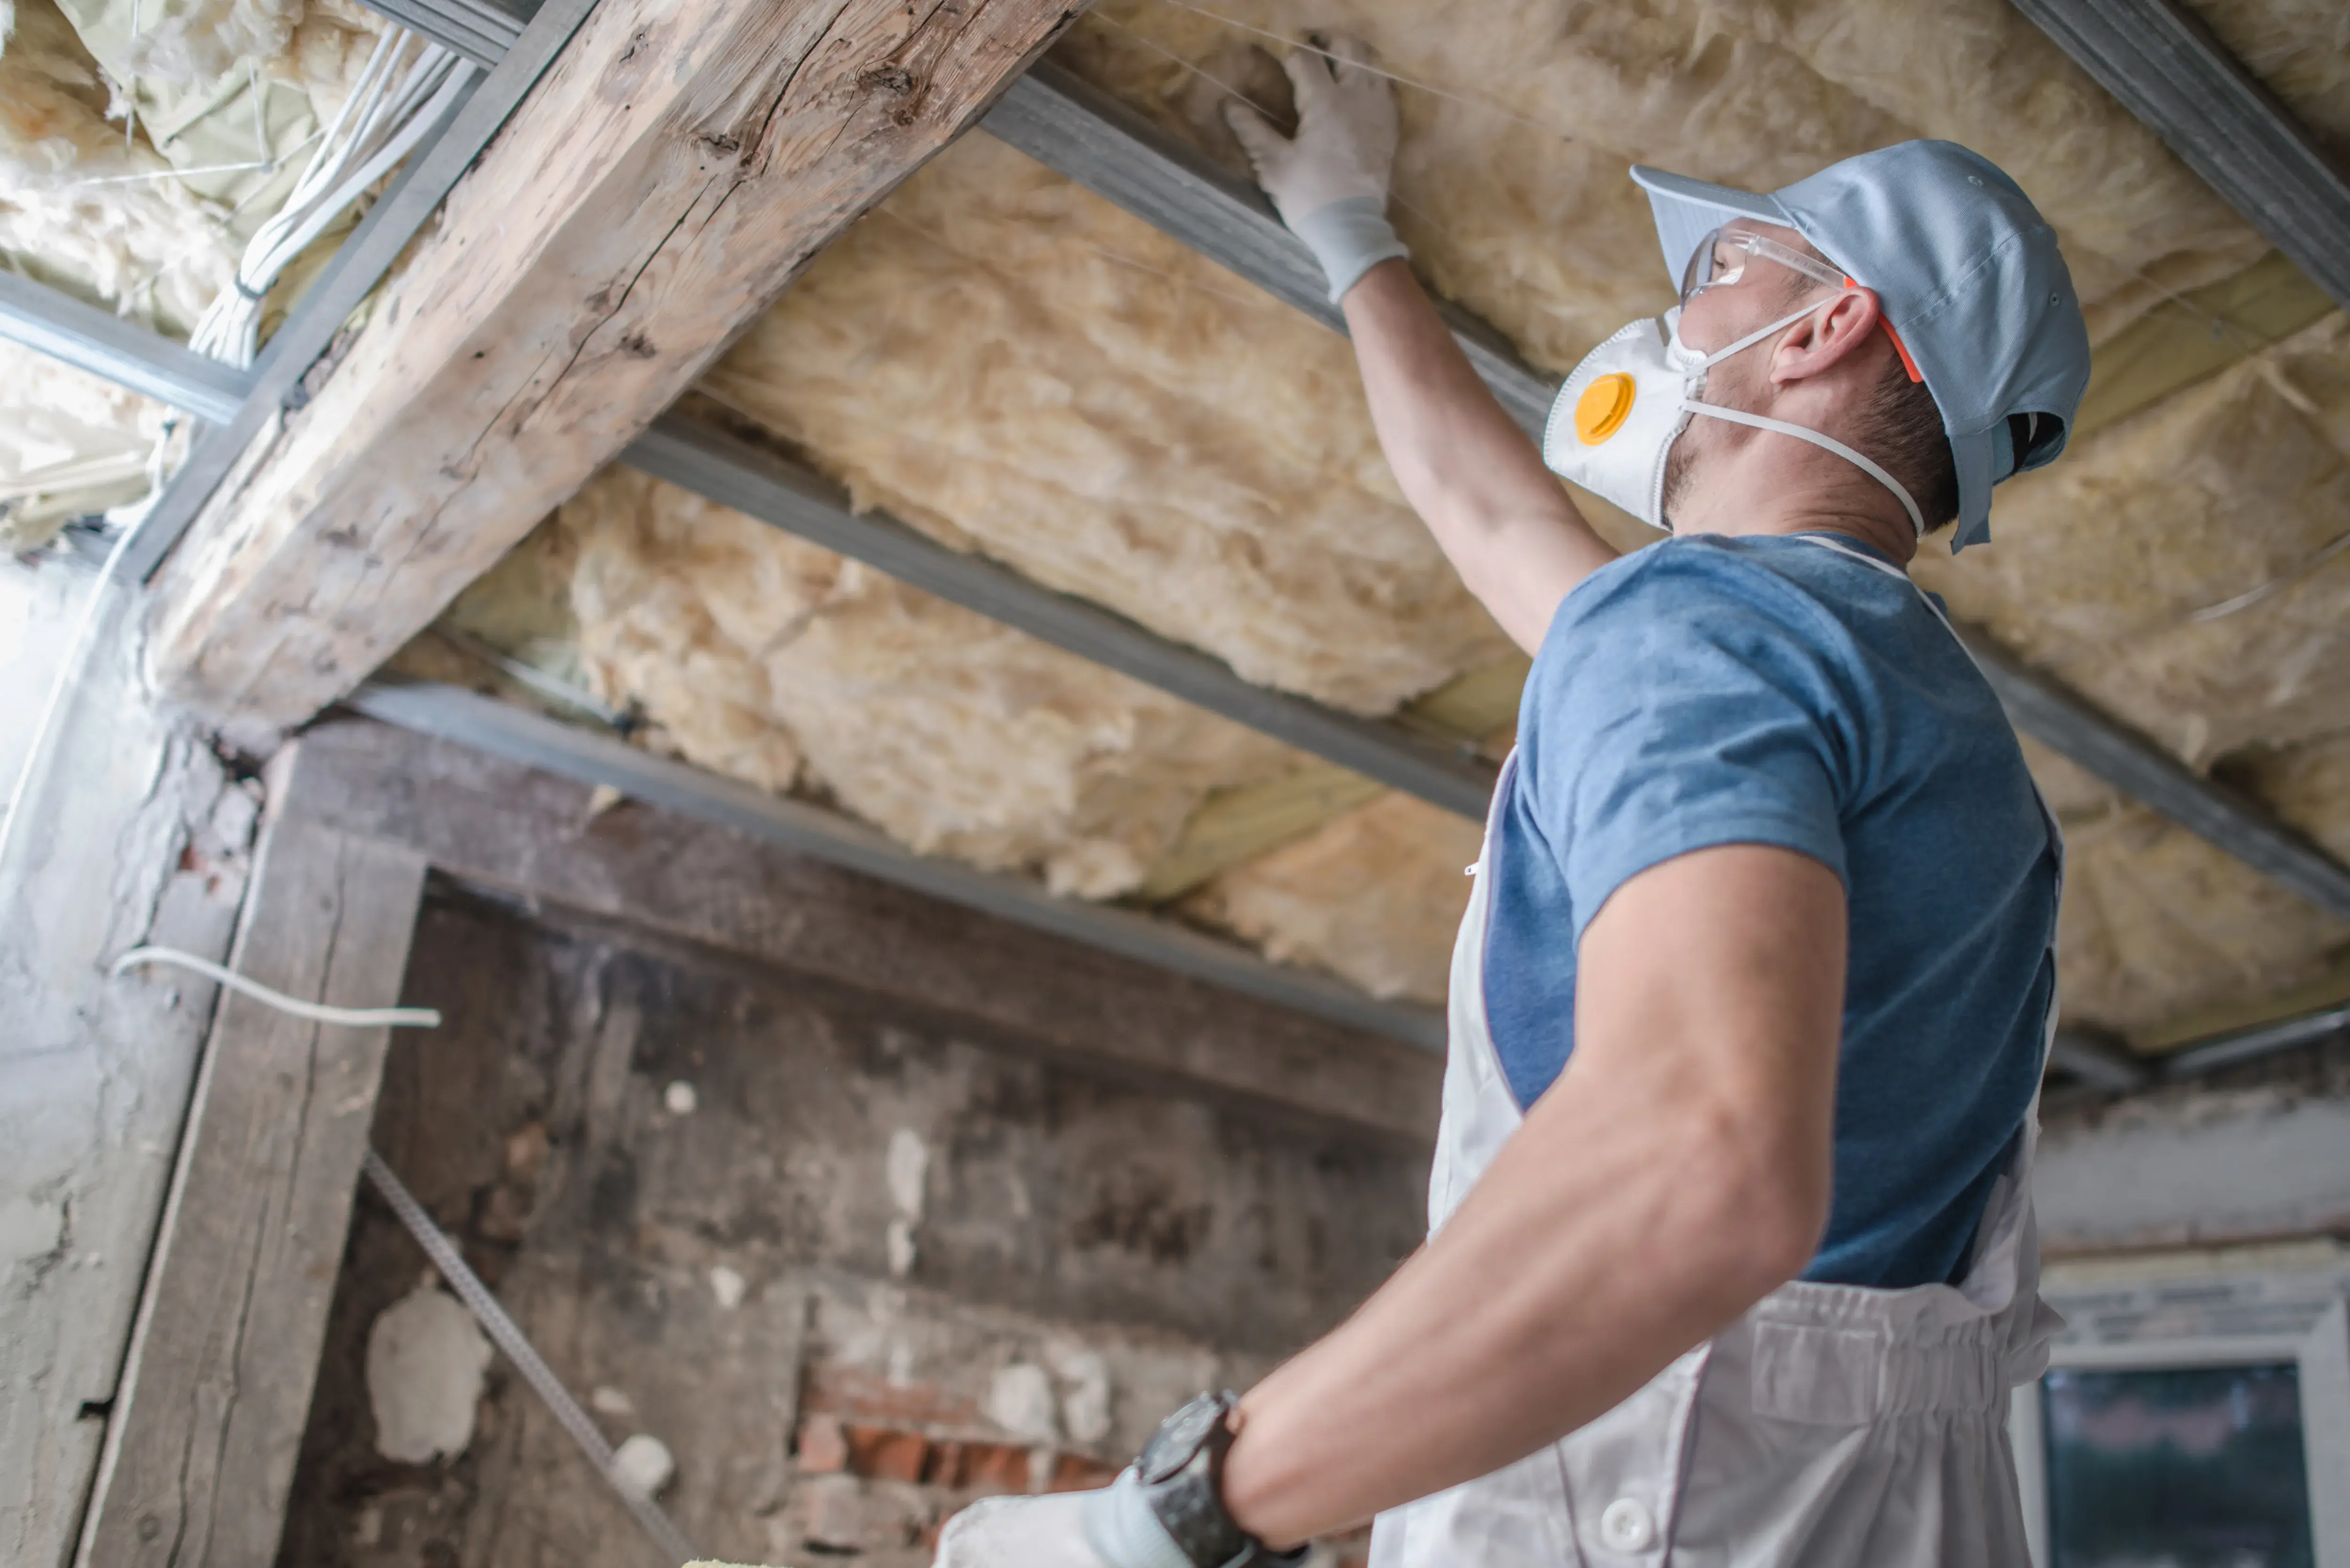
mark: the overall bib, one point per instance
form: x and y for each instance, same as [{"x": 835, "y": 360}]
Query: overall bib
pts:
[{"x": 1832, "y": 1426}]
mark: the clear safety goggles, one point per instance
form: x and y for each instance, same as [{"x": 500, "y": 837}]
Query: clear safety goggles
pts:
[{"x": 1723, "y": 256}]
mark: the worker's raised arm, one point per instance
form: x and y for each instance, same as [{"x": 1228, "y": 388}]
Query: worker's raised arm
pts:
[
  {"x": 1470, "y": 474},
  {"x": 1676, "y": 1173},
  {"x": 1473, "y": 476}
]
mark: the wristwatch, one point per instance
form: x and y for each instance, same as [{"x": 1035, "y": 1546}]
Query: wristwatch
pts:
[{"x": 1180, "y": 1474}]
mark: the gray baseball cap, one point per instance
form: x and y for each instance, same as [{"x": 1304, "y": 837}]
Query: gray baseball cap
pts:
[{"x": 1966, "y": 270}]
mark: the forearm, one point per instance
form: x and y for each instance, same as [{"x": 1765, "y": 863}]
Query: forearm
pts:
[
  {"x": 1559, "y": 1288},
  {"x": 1676, "y": 1173},
  {"x": 1472, "y": 476}
]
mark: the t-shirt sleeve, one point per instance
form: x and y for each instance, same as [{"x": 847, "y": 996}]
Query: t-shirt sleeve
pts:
[{"x": 1680, "y": 709}]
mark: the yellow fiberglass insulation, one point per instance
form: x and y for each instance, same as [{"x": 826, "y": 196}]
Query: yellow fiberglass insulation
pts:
[
  {"x": 69, "y": 444},
  {"x": 1519, "y": 123},
  {"x": 141, "y": 242},
  {"x": 1374, "y": 897},
  {"x": 2187, "y": 569},
  {"x": 1014, "y": 366},
  {"x": 151, "y": 222},
  {"x": 773, "y": 660},
  {"x": 2157, "y": 923}
]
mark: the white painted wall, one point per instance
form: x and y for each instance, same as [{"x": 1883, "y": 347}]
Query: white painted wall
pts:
[
  {"x": 2186, "y": 1167},
  {"x": 132, "y": 834}
]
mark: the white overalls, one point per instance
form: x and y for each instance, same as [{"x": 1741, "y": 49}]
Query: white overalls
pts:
[{"x": 1832, "y": 1426}]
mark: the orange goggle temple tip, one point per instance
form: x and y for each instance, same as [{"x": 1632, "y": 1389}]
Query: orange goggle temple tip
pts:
[{"x": 1898, "y": 347}]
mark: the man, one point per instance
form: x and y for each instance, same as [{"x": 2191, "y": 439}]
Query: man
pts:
[{"x": 1732, "y": 1259}]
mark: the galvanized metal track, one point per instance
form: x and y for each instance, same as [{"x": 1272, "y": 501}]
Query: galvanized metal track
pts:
[
  {"x": 517, "y": 734},
  {"x": 1077, "y": 131},
  {"x": 735, "y": 474},
  {"x": 2160, "y": 59}
]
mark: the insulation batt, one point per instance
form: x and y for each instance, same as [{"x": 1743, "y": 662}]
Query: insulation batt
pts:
[
  {"x": 2157, "y": 923},
  {"x": 1509, "y": 182},
  {"x": 1014, "y": 366},
  {"x": 69, "y": 443},
  {"x": 150, "y": 247},
  {"x": 775, "y": 661},
  {"x": 1374, "y": 897},
  {"x": 89, "y": 210},
  {"x": 1018, "y": 369},
  {"x": 2227, "y": 488},
  {"x": 2179, "y": 568}
]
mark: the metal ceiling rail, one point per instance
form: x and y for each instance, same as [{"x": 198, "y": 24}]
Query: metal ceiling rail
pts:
[
  {"x": 2167, "y": 68},
  {"x": 1081, "y": 132},
  {"x": 2107, "y": 1066},
  {"x": 2062, "y": 721},
  {"x": 2217, "y": 1050},
  {"x": 480, "y": 31},
  {"x": 733, "y": 473},
  {"x": 120, "y": 351},
  {"x": 2101, "y": 1064},
  {"x": 1090, "y": 137},
  {"x": 359, "y": 264},
  {"x": 95, "y": 342},
  {"x": 517, "y": 734}
]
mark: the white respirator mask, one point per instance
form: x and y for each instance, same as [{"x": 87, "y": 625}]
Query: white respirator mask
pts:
[{"x": 1617, "y": 418}]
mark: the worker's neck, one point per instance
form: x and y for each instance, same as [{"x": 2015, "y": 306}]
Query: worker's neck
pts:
[{"x": 1766, "y": 483}]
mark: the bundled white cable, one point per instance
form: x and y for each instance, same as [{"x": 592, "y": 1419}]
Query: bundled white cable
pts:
[{"x": 407, "y": 86}]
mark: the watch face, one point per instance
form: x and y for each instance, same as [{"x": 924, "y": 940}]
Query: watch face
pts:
[{"x": 1178, "y": 1441}]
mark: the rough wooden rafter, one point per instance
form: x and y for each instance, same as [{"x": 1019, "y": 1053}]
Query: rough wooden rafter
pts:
[{"x": 669, "y": 175}]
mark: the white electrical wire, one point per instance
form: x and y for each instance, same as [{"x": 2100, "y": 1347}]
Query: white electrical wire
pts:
[
  {"x": 400, "y": 95},
  {"x": 317, "y": 1012}
]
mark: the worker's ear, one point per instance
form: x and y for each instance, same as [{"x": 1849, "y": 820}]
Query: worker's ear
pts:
[{"x": 1827, "y": 337}]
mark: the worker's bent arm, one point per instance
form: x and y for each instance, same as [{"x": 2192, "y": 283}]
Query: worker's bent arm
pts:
[
  {"x": 1676, "y": 1173},
  {"x": 1471, "y": 475}
]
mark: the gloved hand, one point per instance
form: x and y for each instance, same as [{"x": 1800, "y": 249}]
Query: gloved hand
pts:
[
  {"x": 1329, "y": 182},
  {"x": 1110, "y": 1528}
]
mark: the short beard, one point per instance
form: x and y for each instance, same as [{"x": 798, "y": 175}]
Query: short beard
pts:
[
  {"x": 1679, "y": 465},
  {"x": 1681, "y": 457}
]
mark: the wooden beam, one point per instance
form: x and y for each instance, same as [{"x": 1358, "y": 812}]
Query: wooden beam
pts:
[
  {"x": 709, "y": 862},
  {"x": 201, "y": 1445},
  {"x": 669, "y": 175}
]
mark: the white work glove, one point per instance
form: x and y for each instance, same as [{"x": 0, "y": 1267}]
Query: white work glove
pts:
[
  {"x": 1110, "y": 1528},
  {"x": 1329, "y": 182}
]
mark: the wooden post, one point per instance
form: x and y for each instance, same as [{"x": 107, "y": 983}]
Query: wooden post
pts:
[
  {"x": 202, "y": 1442},
  {"x": 668, "y": 177}
]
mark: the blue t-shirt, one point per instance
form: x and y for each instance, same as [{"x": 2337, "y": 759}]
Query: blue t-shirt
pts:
[{"x": 1711, "y": 691}]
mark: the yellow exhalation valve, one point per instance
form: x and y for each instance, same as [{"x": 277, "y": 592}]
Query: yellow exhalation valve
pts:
[{"x": 1604, "y": 407}]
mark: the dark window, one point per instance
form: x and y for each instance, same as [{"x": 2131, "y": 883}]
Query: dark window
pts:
[{"x": 2190, "y": 1468}]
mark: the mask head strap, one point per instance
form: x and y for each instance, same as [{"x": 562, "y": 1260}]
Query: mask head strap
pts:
[{"x": 1802, "y": 432}]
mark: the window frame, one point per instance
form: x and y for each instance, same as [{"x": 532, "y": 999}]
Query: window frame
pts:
[{"x": 2210, "y": 1334}]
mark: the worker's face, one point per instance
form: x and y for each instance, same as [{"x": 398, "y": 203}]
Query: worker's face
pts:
[{"x": 1717, "y": 317}]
